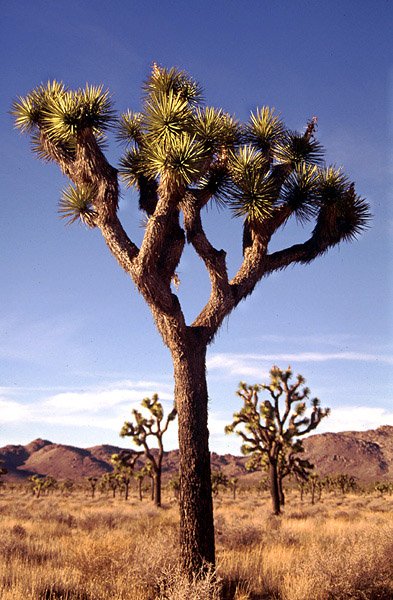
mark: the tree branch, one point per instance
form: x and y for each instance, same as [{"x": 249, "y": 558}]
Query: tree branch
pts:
[{"x": 214, "y": 260}]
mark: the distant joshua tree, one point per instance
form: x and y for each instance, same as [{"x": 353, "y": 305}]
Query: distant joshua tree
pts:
[
  {"x": 124, "y": 464},
  {"x": 383, "y": 488},
  {"x": 42, "y": 484},
  {"x": 3, "y": 471},
  {"x": 66, "y": 487},
  {"x": 219, "y": 479},
  {"x": 270, "y": 428},
  {"x": 93, "y": 484},
  {"x": 142, "y": 428},
  {"x": 233, "y": 483},
  {"x": 174, "y": 484},
  {"x": 108, "y": 481},
  {"x": 345, "y": 483}
]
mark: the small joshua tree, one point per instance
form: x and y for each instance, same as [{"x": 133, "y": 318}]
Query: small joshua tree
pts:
[
  {"x": 67, "y": 487},
  {"x": 383, "y": 488},
  {"x": 139, "y": 476},
  {"x": 174, "y": 484},
  {"x": 143, "y": 428},
  {"x": 345, "y": 483},
  {"x": 93, "y": 484},
  {"x": 270, "y": 428},
  {"x": 233, "y": 483},
  {"x": 219, "y": 479},
  {"x": 124, "y": 464},
  {"x": 3, "y": 471},
  {"x": 107, "y": 482},
  {"x": 41, "y": 484}
]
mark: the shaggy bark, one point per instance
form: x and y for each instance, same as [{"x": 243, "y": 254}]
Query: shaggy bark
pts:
[{"x": 196, "y": 506}]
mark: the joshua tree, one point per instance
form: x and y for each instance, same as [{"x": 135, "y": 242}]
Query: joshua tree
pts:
[
  {"x": 270, "y": 428},
  {"x": 144, "y": 428},
  {"x": 314, "y": 484},
  {"x": 218, "y": 479},
  {"x": 174, "y": 484},
  {"x": 383, "y": 488},
  {"x": 3, "y": 471},
  {"x": 109, "y": 481},
  {"x": 42, "y": 484},
  {"x": 66, "y": 487},
  {"x": 93, "y": 484},
  {"x": 139, "y": 476},
  {"x": 233, "y": 483},
  {"x": 345, "y": 483},
  {"x": 290, "y": 463},
  {"x": 181, "y": 155},
  {"x": 124, "y": 464}
]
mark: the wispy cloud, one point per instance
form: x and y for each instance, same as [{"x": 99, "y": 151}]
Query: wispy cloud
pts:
[
  {"x": 96, "y": 405},
  {"x": 356, "y": 418},
  {"x": 250, "y": 364}
]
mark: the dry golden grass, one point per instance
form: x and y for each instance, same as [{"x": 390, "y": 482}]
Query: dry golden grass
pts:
[{"x": 75, "y": 548}]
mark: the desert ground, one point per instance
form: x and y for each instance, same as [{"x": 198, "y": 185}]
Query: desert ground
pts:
[{"x": 75, "y": 547}]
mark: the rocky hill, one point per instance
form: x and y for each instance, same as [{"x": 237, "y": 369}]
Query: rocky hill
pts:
[{"x": 368, "y": 455}]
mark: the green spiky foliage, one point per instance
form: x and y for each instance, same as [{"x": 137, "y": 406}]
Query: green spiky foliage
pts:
[
  {"x": 271, "y": 428},
  {"x": 76, "y": 203},
  {"x": 146, "y": 427},
  {"x": 59, "y": 115}
]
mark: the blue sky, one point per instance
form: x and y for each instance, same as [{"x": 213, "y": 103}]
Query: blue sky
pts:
[{"x": 78, "y": 348}]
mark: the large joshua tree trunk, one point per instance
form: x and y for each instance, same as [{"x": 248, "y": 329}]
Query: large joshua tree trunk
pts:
[{"x": 195, "y": 499}]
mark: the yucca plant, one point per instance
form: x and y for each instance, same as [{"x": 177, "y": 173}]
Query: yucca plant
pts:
[{"x": 180, "y": 155}]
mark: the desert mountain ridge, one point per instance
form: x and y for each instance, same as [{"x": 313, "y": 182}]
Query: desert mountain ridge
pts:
[{"x": 368, "y": 455}]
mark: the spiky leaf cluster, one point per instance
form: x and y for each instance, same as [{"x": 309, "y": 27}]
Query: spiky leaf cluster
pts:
[
  {"x": 253, "y": 169},
  {"x": 265, "y": 131},
  {"x": 57, "y": 114},
  {"x": 76, "y": 203},
  {"x": 174, "y": 136},
  {"x": 256, "y": 168}
]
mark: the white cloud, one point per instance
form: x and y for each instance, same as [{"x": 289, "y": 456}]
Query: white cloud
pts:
[
  {"x": 355, "y": 418},
  {"x": 104, "y": 407},
  {"x": 249, "y": 364},
  {"x": 12, "y": 411}
]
